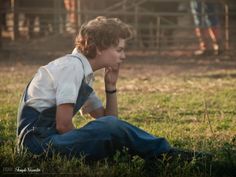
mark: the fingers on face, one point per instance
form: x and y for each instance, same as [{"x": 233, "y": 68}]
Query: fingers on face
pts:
[{"x": 112, "y": 68}]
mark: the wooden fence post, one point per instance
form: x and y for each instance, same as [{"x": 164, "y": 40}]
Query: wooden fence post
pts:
[
  {"x": 1, "y": 19},
  {"x": 55, "y": 16},
  {"x": 158, "y": 34},
  {"x": 14, "y": 6},
  {"x": 136, "y": 24},
  {"x": 226, "y": 45}
]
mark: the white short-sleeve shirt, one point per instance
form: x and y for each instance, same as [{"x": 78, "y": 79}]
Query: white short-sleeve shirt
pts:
[{"x": 59, "y": 82}]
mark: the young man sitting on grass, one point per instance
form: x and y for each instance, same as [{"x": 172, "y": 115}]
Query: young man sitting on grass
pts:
[{"x": 64, "y": 86}]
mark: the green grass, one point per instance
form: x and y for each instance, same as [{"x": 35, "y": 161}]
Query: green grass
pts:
[{"x": 192, "y": 110}]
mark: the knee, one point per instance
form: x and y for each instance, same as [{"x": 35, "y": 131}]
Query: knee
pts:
[{"x": 111, "y": 121}]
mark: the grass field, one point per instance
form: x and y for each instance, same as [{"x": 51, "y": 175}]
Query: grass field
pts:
[{"x": 191, "y": 102}]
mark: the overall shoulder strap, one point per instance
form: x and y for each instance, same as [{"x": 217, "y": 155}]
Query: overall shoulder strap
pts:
[
  {"x": 25, "y": 91},
  {"x": 75, "y": 56}
]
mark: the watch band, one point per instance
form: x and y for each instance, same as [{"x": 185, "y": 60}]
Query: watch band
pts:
[{"x": 110, "y": 91}]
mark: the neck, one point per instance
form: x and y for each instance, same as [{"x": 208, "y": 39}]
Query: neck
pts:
[{"x": 94, "y": 64}]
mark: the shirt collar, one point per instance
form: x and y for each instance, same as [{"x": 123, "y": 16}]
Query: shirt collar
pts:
[{"x": 87, "y": 67}]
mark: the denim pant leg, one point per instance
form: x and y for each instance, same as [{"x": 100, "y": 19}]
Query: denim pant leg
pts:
[{"x": 102, "y": 137}]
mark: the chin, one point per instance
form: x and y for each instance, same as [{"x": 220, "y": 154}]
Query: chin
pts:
[{"x": 116, "y": 66}]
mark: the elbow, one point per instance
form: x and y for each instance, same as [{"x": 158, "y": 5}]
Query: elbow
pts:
[
  {"x": 60, "y": 129},
  {"x": 63, "y": 128}
]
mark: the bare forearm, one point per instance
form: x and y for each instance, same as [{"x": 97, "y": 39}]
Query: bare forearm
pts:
[
  {"x": 64, "y": 117},
  {"x": 111, "y": 104},
  {"x": 111, "y": 76},
  {"x": 65, "y": 128}
]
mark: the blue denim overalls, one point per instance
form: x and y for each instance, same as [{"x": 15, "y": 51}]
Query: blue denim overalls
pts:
[
  {"x": 98, "y": 139},
  {"x": 204, "y": 13}
]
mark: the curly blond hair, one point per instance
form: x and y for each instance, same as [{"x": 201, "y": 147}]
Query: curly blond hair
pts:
[{"x": 101, "y": 33}]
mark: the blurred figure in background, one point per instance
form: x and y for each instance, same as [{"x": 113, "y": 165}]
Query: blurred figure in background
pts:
[
  {"x": 71, "y": 16},
  {"x": 207, "y": 26}
]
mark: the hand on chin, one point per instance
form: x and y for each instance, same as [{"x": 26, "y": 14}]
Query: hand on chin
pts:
[{"x": 114, "y": 67}]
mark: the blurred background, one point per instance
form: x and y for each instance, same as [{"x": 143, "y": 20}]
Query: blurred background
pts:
[{"x": 161, "y": 25}]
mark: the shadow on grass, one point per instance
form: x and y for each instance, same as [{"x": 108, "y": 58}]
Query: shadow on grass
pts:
[
  {"x": 224, "y": 159},
  {"x": 121, "y": 164},
  {"x": 217, "y": 76}
]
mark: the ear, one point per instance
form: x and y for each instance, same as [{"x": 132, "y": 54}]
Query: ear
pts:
[{"x": 99, "y": 52}]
